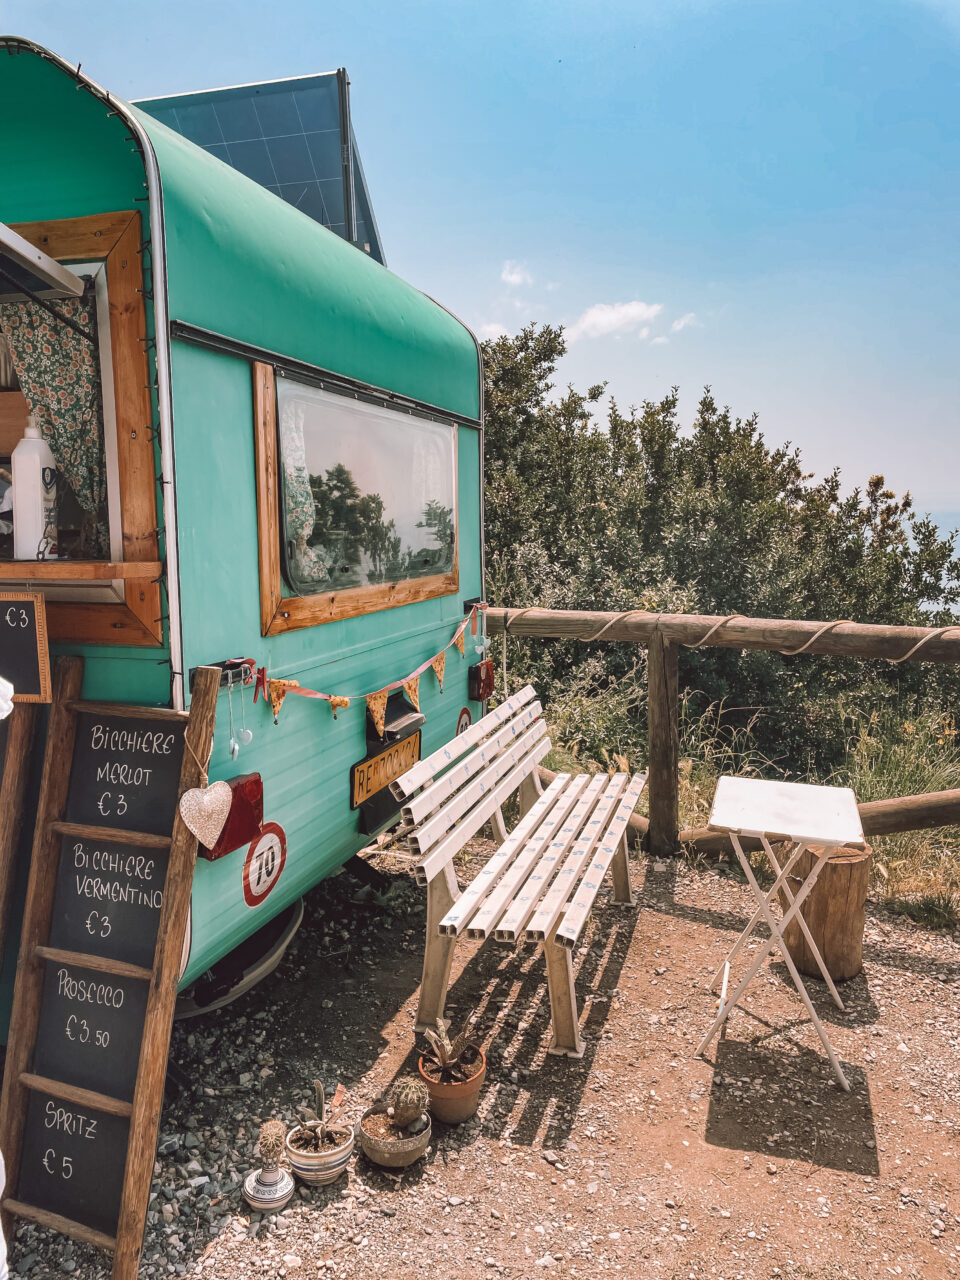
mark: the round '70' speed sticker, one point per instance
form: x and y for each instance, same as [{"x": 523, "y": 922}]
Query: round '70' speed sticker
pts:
[{"x": 264, "y": 863}]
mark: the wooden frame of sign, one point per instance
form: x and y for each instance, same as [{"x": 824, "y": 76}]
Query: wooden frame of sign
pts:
[
  {"x": 72, "y": 1002},
  {"x": 16, "y": 744},
  {"x": 23, "y": 628}
]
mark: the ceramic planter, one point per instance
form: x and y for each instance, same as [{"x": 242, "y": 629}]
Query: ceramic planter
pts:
[
  {"x": 396, "y": 1153},
  {"x": 318, "y": 1168},
  {"x": 453, "y": 1103},
  {"x": 268, "y": 1190}
]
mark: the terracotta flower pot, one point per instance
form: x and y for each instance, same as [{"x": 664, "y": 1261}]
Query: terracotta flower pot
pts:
[
  {"x": 395, "y": 1153},
  {"x": 318, "y": 1168},
  {"x": 453, "y": 1103}
]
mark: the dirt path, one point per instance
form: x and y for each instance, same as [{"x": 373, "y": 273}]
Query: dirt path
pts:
[{"x": 637, "y": 1160}]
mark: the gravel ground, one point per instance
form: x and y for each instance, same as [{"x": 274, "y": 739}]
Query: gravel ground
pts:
[{"x": 639, "y": 1159}]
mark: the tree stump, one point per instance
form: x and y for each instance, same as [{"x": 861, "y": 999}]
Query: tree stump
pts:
[{"x": 834, "y": 912}]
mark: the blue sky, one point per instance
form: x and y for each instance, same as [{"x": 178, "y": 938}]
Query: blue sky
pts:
[{"x": 763, "y": 195}]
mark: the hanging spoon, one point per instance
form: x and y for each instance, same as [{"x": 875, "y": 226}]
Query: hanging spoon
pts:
[
  {"x": 246, "y": 735},
  {"x": 234, "y": 744}
]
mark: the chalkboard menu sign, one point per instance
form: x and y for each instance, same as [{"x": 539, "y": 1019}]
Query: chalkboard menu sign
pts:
[
  {"x": 24, "y": 655},
  {"x": 126, "y": 772},
  {"x": 73, "y": 1161},
  {"x": 90, "y": 1029},
  {"x": 107, "y": 899}
]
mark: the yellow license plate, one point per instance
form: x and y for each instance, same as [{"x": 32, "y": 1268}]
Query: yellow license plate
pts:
[{"x": 372, "y": 775}]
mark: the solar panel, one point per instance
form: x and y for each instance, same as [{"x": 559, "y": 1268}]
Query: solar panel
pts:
[{"x": 288, "y": 135}]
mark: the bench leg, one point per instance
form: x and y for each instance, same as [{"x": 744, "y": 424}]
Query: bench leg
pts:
[
  {"x": 442, "y": 893},
  {"x": 622, "y": 890},
  {"x": 529, "y": 792},
  {"x": 563, "y": 1001}
]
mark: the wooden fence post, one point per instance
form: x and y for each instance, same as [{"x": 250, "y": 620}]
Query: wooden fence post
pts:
[{"x": 663, "y": 746}]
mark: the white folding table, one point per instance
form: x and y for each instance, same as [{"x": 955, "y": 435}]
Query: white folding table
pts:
[{"x": 824, "y": 820}]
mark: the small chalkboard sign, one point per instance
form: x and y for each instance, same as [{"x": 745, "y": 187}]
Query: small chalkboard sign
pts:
[
  {"x": 90, "y": 1029},
  {"x": 73, "y": 1161},
  {"x": 107, "y": 899},
  {"x": 24, "y": 653},
  {"x": 126, "y": 772}
]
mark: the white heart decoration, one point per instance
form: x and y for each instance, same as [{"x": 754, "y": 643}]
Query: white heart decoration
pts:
[{"x": 205, "y": 811}]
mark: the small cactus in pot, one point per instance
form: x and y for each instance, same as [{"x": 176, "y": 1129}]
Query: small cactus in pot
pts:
[
  {"x": 318, "y": 1151},
  {"x": 454, "y": 1072},
  {"x": 270, "y": 1187},
  {"x": 396, "y": 1131}
]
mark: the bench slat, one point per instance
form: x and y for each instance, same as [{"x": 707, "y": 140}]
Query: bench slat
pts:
[
  {"x": 437, "y": 858},
  {"x": 561, "y": 826},
  {"x": 460, "y": 914},
  {"x": 576, "y": 914},
  {"x": 429, "y": 833},
  {"x": 589, "y": 835},
  {"x": 425, "y": 770},
  {"x": 432, "y": 797}
]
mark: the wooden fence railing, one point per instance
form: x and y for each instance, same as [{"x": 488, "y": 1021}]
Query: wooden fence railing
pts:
[{"x": 663, "y": 634}]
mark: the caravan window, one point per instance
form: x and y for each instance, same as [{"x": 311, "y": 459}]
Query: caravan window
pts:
[
  {"x": 368, "y": 493},
  {"x": 356, "y": 504}
]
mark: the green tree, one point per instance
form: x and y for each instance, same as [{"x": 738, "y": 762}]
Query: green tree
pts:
[{"x": 636, "y": 512}]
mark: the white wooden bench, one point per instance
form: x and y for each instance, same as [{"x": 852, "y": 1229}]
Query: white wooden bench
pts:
[{"x": 541, "y": 883}]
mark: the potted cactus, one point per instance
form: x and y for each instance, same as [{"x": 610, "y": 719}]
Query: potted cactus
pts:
[
  {"x": 318, "y": 1152},
  {"x": 454, "y": 1072},
  {"x": 270, "y": 1187},
  {"x": 396, "y": 1131}
]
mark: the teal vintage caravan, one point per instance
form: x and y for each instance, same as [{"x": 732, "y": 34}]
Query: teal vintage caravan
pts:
[{"x": 267, "y": 448}]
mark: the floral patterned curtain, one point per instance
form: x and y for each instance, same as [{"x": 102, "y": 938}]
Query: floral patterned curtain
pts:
[{"x": 59, "y": 373}]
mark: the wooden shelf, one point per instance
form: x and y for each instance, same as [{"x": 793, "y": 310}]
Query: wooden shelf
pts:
[{"x": 78, "y": 570}]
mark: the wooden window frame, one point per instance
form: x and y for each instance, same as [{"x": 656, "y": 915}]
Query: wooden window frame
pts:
[
  {"x": 113, "y": 238},
  {"x": 280, "y": 613}
]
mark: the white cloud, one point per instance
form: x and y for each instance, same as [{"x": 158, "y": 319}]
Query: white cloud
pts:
[
  {"x": 684, "y": 322},
  {"x": 660, "y": 342},
  {"x": 605, "y": 318},
  {"x": 515, "y": 274},
  {"x": 492, "y": 330}
]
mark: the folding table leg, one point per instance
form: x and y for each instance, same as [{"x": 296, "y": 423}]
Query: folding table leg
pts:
[
  {"x": 442, "y": 893},
  {"x": 764, "y": 951},
  {"x": 563, "y": 1000},
  {"x": 804, "y": 928},
  {"x": 757, "y": 915},
  {"x": 776, "y": 938}
]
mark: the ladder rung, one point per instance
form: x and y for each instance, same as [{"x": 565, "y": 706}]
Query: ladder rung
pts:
[
  {"x": 139, "y": 839},
  {"x": 101, "y": 964},
  {"x": 125, "y": 709},
  {"x": 73, "y": 1093},
  {"x": 66, "y": 1226}
]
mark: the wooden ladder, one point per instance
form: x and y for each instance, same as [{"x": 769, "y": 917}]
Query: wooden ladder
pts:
[{"x": 144, "y": 1110}]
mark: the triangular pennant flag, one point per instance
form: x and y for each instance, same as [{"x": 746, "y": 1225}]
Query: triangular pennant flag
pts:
[
  {"x": 458, "y": 641},
  {"x": 438, "y": 664},
  {"x": 377, "y": 706},
  {"x": 278, "y": 691},
  {"x": 338, "y": 703},
  {"x": 412, "y": 689}
]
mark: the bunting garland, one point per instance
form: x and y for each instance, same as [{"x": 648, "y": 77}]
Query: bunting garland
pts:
[
  {"x": 438, "y": 664},
  {"x": 377, "y": 706},
  {"x": 412, "y": 689},
  {"x": 376, "y": 700}
]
